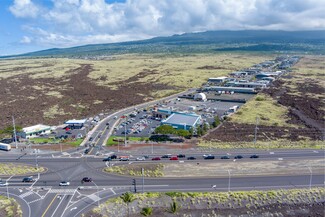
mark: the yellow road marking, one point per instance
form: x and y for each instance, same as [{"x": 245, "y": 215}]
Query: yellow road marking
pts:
[{"x": 49, "y": 205}]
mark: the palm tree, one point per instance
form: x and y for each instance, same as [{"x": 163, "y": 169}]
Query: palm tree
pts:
[
  {"x": 127, "y": 198},
  {"x": 146, "y": 211},
  {"x": 173, "y": 207}
]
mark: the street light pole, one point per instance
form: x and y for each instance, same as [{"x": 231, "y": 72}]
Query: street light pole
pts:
[
  {"x": 13, "y": 123},
  {"x": 229, "y": 180},
  {"x": 311, "y": 176},
  {"x": 142, "y": 170}
]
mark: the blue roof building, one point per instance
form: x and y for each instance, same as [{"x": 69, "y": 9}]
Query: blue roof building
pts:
[{"x": 182, "y": 121}]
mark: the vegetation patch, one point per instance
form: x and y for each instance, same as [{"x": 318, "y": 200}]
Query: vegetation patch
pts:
[
  {"x": 255, "y": 203},
  {"x": 265, "y": 109},
  {"x": 150, "y": 170},
  {"x": 115, "y": 140},
  {"x": 9, "y": 169},
  {"x": 9, "y": 207}
]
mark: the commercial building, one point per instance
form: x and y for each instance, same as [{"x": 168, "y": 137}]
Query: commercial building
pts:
[
  {"x": 75, "y": 124},
  {"x": 230, "y": 89},
  {"x": 217, "y": 80},
  {"x": 182, "y": 121},
  {"x": 34, "y": 131}
]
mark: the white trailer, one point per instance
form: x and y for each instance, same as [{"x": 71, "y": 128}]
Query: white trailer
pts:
[{"x": 5, "y": 147}]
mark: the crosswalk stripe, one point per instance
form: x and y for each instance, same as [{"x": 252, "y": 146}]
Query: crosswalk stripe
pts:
[{"x": 62, "y": 191}]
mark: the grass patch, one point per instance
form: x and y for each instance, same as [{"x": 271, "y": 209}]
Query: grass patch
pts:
[
  {"x": 75, "y": 142},
  {"x": 266, "y": 109},
  {"x": 10, "y": 207},
  {"x": 275, "y": 144},
  {"x": 8, "y": 169},
  {"x": 120, "y": 139},
  {"x": 189, "y": 202},
  {"x": 40, "y": 140},
  {"x": 150, "y": 170}
]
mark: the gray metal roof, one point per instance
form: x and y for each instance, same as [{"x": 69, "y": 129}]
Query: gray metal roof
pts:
[{"x": 182, "y": 119}]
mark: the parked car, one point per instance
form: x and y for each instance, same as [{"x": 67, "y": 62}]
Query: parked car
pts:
[
  {"x": 209, "y": 157},
  {"x": 68, "y": 132},
  {"x": 141, "y": 158},
  {"x": 173, "y": 158},
  {"x": 91, "y": 139},
  {"x": 191, "y": 158},
  {"x": 181, "y": 156},
  {"x": 28, "y": 179},
  {"x": 64, "y": 183},
  {"x": 86, "y": 179},
  {"x": 87, "y": 151},
  {"x": 238, "y": 157},
  {"x": 254, "y": 156},
  {"x": 107, "y": 159},
  {"x": 156, "y": 158},
  {"x": 225, "y": 157}
]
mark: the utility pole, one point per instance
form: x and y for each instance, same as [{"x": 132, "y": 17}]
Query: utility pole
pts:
[
  {"x": 256, "y": 128},
  {"x": 142, "y": 171},
  {"x": 134, "y": 183},
  {"x": 15, "y": 135},
  {"x": 229, "y": 180},
  {"x": 311, "y": 176}
]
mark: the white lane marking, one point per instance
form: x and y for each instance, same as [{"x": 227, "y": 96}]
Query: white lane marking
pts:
[
  {"x": 94, "y": 197},
  {"x": 271, "y": 152},
  {"x": 58, "y": 205},
  {"x": 112, "y": 191},
  {"x": 316, "y": 151},
  {"x": 73, "y": 208},
  {"x": 26, "y": 194},
  {"x": 280, "y": 158}
]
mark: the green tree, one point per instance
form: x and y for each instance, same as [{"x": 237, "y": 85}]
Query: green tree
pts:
[
  {"x": 199, "y": 131},
  {"x": 128, "y": 198},
  {"x": 146, "y": 211},
  {"x": 182, "y": 133},
  {"x": 191, "y": 131},
  {"x": 216, "y": 121},
  {"x": 165, "y": 129}
]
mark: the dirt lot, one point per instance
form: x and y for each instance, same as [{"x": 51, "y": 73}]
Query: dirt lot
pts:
[{"x": 302, "y": 92}]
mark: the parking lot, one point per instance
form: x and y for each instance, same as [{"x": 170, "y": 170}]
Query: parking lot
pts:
[{"x": 141, "y": 123}]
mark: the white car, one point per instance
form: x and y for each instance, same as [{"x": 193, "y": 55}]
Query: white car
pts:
[
  {"x": 64, "y": 183},
  {"x": 3, "y": 184},
  {"x": 141, "y": 158}
]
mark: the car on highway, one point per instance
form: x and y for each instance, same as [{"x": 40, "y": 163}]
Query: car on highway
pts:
[
  {"x": 209, "y": 157},
  {"x": 166, "y": 156},
  {"x": 181, "y": 156},
  {"x": 68, "y": 132},
  {"x": 173, "y": 158},
  {"x": 4, "y": 184},
  {"x": 114, "y": 156},
  {"x": 28, "y": 179},
  {"x": 238, "y": 157},
  {"x": 107, "y": 159},
  {"x": 141, "y": 158},
  {"x": 254, "y": 156},
  {"x": 86, "y": 179},
  {"x": 124, "y": 158},
  {"x": 64, "y": 183},
  {"x": 191, "y": 158},
  {"x": 156, "y": 158},
  {"x": 225, "y": 157}
]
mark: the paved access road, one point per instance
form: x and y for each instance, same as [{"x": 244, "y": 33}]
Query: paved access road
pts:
[{"x": 46, "y": 198}]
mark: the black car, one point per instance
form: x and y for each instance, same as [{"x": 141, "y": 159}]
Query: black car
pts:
[
  {"x": 166, "y": 156},
  {"x": 254, "y": 156},
  {"x": 225, "y": 157},
  {"x": 87, "y": 151},
  {"x": 107, "y": 159},
  {"x": 91, "y": 139},
  {"x": 191, "y": 158},
  {"x": 209, "y": 157},
  {"x": 86, "y": 179},
  {"x": 28, "y": 179},
  {"x": 113, "y": 156},
  {"x": 181, "y": 156},
  {"x": 238, "y": 157}
]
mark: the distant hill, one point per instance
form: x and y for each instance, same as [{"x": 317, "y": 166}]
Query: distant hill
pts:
[{"x": 211, "y": 41}]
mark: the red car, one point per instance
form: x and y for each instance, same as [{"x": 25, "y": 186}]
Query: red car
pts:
[
  {"x": 173, "y": 158},
  {"x": 156, "y": 158}
]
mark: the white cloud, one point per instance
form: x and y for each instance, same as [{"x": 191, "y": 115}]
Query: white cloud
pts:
[
  {"x": 24, "y": 8},
  {"x": 26, "y": 40},
  {"x": 75, "y": 22}
]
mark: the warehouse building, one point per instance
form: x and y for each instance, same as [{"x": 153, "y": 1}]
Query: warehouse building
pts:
[
  {"x": 217, "y": 80},
  {"x": 182, "y": 121},
  {"x": 75, "y": 124},
  {"x": 35, "y": 131}
]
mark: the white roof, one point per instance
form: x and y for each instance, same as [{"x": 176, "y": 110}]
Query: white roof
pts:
[
  {"x": 220, "y": 78},
  {"x": 76, "y": 121},
  {"x": 200, "y": 96},
  {"x": 36, "y": 128}
]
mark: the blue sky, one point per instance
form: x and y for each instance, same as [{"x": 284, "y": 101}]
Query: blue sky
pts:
[{"x": 30, "y": 25}]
